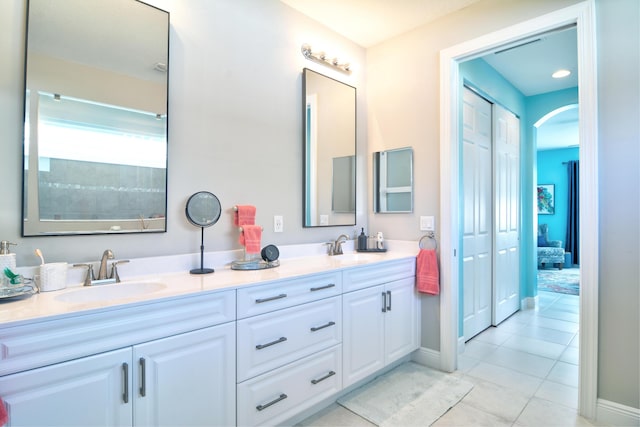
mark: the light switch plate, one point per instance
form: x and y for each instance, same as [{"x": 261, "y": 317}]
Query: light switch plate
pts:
[{"x": 427, "y": 223}]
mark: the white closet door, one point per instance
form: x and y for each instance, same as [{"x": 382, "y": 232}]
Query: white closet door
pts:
[
  {"x": 506, "y": 257},
  {"x": 477, "y": 215}
]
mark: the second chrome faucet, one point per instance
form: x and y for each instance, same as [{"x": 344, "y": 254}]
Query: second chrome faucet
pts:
[{"x": 335, "y": 248}]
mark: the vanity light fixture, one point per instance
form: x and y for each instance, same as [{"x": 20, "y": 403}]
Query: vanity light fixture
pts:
[
  {"x": 560, "y": 74},
  {"x": 322, "y": 58}
]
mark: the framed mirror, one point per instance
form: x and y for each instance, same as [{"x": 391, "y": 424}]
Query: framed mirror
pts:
[
  {"x": 95, "y": 128},
  {"x": 329, "y": 119},
  {"x": 393, "y": 181}
]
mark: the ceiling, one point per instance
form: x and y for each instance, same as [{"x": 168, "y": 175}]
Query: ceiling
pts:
[{"x": 527, "y": 65}]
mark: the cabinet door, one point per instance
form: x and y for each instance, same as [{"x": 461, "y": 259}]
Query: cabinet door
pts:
[
  {"x": 401, "y": 319},
  {"x": 187, "y": 379},
  {"x": 363, "y": 333},
  {"x": 90, "y": 391}
]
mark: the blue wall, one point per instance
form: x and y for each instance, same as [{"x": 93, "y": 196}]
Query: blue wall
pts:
[{"x": 551, "y": 170}]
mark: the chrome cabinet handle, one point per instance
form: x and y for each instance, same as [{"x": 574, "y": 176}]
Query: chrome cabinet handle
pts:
[
  {"x": 389, "y": 302},
  {"x": 261, "y": 300},
  {"x": 319, "y": 288},
  {"x": 125, "y": 375},
  {"x": 384, "y": 302},
  {"x": 330, "y": 374},
  {"x": 273, "y": 402},
  {"x": 317, "y": 328},
  {"x": 279, "y": 340},
  {"x": 143, "y": 379}
]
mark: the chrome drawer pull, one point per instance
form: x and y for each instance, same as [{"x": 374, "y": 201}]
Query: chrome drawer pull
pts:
[
  {"x": 143, "y": 379},
  {"x": 273, "y": 402},
  {"x": 384, "y": 302},
  {"x": 319, "y": 288},
  {"x": 389, "y": 304},
  {"x": 279, "y": 340},
  {"x": 317, "y": 328},
  {"x": 330, "y": 374},
  {"x": 125, "y": 375},
  {"x": 260, "y": 300}
]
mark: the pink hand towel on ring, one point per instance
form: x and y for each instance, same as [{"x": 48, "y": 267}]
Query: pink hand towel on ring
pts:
[
  {"x": 245, "y": 215},
  {"x": 427, "y": 273},
  {"x": 250, "y": 238},
  {"x": 4, "y": 416}
]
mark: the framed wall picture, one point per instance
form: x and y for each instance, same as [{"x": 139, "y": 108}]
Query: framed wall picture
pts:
[{"x": 546, "y": 199}]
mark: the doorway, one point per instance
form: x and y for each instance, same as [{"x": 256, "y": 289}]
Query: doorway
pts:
[{"x": 583, "y": 15}]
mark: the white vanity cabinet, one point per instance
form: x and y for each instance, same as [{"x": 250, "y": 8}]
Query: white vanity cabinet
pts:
[
  {"x": 83, "y": 392},
  {"x": 380, "y": 318},
  {"x": 187, "y": 378},
  {"x": 289, "y": 347}
]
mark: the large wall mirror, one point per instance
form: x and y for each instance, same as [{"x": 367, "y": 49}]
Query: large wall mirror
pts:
[
  {"x": 330, "y": 151},
  {"x": 393, "y": 181},
  {"x": 95, "y": 128}
]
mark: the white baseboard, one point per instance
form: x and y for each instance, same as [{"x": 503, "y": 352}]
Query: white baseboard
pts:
[
  {"x": 614, "y": 414},
  {"x": 529, "y": 302},
  {"x": 427, "y": 357}
]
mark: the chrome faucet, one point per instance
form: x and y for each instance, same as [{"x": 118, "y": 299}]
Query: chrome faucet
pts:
[
  {"x": 103, "y": 277},
  {"x": 102, "y": 272},
  {"x": 335, "y": 248}
]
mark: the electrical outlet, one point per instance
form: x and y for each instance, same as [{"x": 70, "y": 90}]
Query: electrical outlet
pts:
[
  {"x": 278, "y": 224},
  {"x": 324, "y": 219},
  {"x": 427, "y": 223}
]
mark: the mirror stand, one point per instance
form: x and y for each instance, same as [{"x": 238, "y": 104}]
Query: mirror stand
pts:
[
  {"x": 203, "y": 210},
  {"x": 201, "y": 270}
]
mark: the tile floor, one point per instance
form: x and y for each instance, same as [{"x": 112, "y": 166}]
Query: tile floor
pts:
[{"x": 525, "y": 373}]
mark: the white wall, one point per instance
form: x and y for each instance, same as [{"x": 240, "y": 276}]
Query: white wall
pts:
[
  {"x": 619, "y": 139},
  {"x": 235, "y": 126}
]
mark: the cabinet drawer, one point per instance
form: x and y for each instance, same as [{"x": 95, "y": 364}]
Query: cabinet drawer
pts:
[
  {"x": 377, "y": 274},
  {"x": 43, "y": 343},
  {"x": 276, "y": 396},
  {"x": 274, "y": 339},
  {"x": 287, "y": 293}
]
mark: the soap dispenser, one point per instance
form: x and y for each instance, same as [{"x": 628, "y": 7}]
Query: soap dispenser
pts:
[
  {"x": 362, "y": 241},
  {"x": 7, "y": 259}
]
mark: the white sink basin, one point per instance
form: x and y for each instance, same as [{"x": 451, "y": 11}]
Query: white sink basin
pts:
[
  {"x": 110, "y": 292},
  {"x": 355, "y": 257}
]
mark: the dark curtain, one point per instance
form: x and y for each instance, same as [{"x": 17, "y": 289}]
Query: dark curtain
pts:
[{"x": 573, "y": 213}]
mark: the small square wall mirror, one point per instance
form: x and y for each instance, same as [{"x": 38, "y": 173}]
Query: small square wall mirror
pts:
[{"x": 393, "y": 181}]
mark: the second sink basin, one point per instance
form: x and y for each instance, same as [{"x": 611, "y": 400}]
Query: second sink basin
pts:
[
  {"x": 355, "y": 257},
  {"x": 110, "y": 292}
]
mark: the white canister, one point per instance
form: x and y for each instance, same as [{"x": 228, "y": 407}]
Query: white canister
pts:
[{"x": 53, "y": 276}]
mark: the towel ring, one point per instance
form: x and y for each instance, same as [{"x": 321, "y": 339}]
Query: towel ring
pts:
[{"x": 428, "y": 241}]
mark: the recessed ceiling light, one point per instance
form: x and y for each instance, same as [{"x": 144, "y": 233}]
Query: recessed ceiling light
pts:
[{"x": 560, "y": 74}]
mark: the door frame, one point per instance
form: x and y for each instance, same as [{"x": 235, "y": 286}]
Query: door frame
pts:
[{"x": 583, "y": 15}]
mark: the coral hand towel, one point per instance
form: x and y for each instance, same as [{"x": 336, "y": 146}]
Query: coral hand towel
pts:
[
  {"x": 4, "y": 416},
  {"x": 250, "y": 238},
  {"x": 427, "y": 274},
  {"x": 245, "y": 215}
]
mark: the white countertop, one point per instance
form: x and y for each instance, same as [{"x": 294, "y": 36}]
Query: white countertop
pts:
[{"x": 48, "y": 306}]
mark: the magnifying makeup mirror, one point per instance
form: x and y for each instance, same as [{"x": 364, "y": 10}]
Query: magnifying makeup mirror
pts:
[{"x": 203, "y": 210}]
